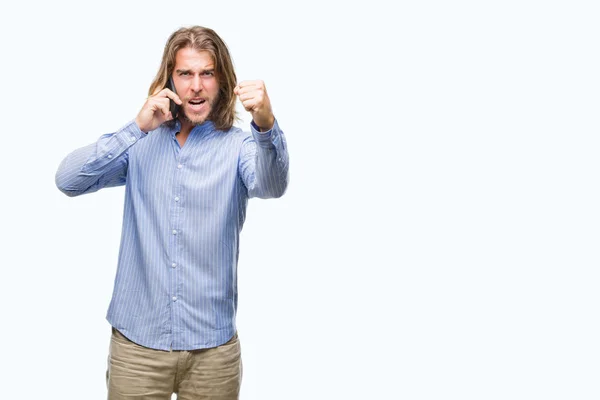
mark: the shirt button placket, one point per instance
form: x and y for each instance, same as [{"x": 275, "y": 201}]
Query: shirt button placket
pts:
[{"x": 175, "y": 234}]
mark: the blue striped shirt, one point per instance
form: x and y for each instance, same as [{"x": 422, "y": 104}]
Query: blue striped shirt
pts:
[{"x": 176, "y": 281}]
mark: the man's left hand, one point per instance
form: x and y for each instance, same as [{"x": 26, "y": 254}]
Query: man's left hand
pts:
[{"x": 254, "y": 98}]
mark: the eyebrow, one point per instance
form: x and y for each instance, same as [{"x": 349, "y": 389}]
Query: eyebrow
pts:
[{"x": 181, "y": 71}]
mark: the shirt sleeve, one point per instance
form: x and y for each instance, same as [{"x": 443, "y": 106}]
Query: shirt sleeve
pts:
[
  {"x": 264, "y": 163},
  {"x": 98, "y": 165}
]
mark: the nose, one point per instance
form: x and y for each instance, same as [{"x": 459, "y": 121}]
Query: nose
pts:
[{"x": 196, "y": 83}]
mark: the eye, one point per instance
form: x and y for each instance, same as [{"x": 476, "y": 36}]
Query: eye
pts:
[
  {"x": 208, "y": 73},
  {"x": 184, "y": 73}
]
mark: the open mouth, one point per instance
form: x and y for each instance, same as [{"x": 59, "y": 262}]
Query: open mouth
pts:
[{"x": 197, "y": 102}]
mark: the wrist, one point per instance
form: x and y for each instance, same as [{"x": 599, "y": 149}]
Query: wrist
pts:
[
  {"x": 265, "y": 125},
  {"x": 137, "y": 122}
]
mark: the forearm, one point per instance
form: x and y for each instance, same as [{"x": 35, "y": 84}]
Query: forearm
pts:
[
  {"x": 271, "y": 164},
  {"x": 98, "y": 165}
]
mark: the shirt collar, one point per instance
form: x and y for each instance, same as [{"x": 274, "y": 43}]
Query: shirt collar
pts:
[{"x": 205, "y": 127}]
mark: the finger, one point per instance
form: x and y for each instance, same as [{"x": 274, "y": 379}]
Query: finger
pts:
[
  {"x": 167, "y": 93},
  {"x": 158, "y": 102},
  {"x": 239, "y": 90},
  {"x": 246, "y": 86},
  {"x": 165, "y": 110},
  {"x": 173, "y": 96},
  {"x": 255, "y": 82},
  {"x": 250, "y": 104},
  {"x": 249, "y": 89},
  {"x": 161, "y": 105},
  {"x": 246, "y": 96}
]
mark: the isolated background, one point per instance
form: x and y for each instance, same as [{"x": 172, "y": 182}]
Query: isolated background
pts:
[{"x": 439, "y": 238}]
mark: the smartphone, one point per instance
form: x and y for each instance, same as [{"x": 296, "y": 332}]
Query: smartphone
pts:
[{"x": 173, "y": 107}]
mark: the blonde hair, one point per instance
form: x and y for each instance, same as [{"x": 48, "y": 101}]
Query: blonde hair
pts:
[{"x": 200, "y": 38}]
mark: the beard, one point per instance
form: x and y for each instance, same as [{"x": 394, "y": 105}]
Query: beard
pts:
[{"x": 197, "y": 118}]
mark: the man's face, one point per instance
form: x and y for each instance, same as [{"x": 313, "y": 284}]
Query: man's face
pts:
[{"x": 195, "y": 83}]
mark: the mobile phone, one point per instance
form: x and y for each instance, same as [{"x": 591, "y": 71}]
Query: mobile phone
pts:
[{"x": 173, "y": 107}]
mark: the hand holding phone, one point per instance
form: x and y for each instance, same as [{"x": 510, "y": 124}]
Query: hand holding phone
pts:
[{"x": 159, "y": 108}]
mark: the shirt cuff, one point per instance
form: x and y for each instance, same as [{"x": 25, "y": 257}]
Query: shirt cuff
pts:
[
  {"x": 264, "y": 139},
  {"x": 133, "y": 131}
]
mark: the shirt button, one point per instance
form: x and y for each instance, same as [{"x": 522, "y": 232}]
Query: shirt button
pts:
[
  {"x": 174, "y": 232},
  {"x": 177, "y": 198},
  {"x": 180, "y": 166},
  {"x": 173, "y": 265},
  {"x": 174, "y": 298},
  {"x": 109, "y": 156}
]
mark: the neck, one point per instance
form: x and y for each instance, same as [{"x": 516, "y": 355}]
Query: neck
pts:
[{"x": 186, "y": 126}]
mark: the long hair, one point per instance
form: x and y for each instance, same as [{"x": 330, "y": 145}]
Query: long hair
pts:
[{"x": 203, "y": 39}]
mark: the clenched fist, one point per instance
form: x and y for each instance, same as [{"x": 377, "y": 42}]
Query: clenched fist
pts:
[{"x": 254, "y": 98}]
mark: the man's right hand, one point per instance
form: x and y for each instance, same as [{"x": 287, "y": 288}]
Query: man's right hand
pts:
[{"x": 156, "y": 110}]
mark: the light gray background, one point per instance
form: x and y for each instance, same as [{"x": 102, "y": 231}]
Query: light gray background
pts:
[{"x": 439, "y": 238}]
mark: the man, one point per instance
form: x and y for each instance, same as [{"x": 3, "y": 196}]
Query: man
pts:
[{"x": 187, "y": 182}]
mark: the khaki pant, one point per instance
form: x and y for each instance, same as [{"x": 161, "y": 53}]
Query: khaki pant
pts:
[{"x": 137, "y": 372}]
